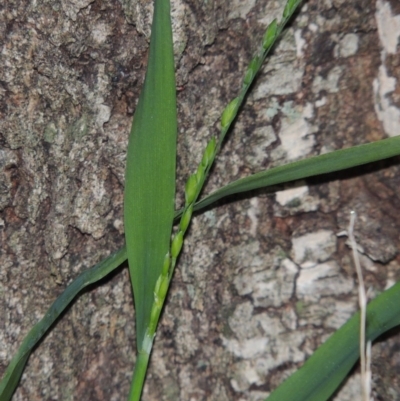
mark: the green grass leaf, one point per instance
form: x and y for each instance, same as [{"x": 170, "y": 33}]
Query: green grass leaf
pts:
[
  {"x": 16, "y": 367},
  {"x": 321, "y": 375},
  {"x": 310, "y": 167},
  {"x": 150, "y": 170}
]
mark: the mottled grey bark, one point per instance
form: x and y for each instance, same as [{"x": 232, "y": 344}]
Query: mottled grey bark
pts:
[{"x": 263, "y": 280}]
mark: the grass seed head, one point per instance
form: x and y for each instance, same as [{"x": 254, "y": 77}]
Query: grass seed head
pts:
[
  {"x": 157, "y": 287},
  {"x": 166, "y": 265},
  {"x": 155, "y": 310},
  {"x": 251, "y": 70},
  {"x": 176, "y": 245},
  {"x": 291, "y": 5},
  {"x": 270, "y": 34},
  {"x": 200, "y": 173},
  {"x": 185, "y": 220},
  {"x": 162, "y": 292},
  {"x": 209, "y": 152},
  {"x": 191, "y": 189},
  {"x": 229, "y": 113}
]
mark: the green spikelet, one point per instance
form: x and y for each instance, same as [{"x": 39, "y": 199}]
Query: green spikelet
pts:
[
  {"x": 270, "y": 35},
  {"x": 229, "y": 113}
]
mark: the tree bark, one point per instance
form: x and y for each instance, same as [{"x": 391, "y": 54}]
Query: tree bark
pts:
[{"x": 264, "y": 278}]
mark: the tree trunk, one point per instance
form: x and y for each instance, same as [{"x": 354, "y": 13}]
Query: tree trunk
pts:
[{"x": 264, "y": 279}]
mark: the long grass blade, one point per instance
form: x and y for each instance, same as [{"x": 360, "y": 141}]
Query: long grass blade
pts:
[
  {"x": 150, "y": 170},
  {"x": 313, "y": 166},
  {"x": 321, "y": 375},
  {"x": 16, "y": 367}
]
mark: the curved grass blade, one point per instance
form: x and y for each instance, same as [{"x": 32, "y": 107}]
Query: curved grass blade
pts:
[
  {"x": 150, "y": 170},
  {"x": 16, "y": 367},
  {"x": 313, "y": 166},
  {"x": 323, "y": 372}
]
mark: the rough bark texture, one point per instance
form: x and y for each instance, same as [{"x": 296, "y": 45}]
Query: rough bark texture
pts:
[{"x": 263, "y": 280}]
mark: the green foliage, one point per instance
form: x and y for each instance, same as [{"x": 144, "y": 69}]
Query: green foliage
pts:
[
  {"x": 229, "y": 113},
  {"x": 149, "y": 216},
  {"x": 150, "y": 170},
  {"x": 312, "y": 166},
  {"x": 176, "y": 246},
  {"x": 191, "y": 189},
  {"x": 323, "y": 373},
  {"x": 270, "y": 35},
  {"x": 16, "y": 367}
]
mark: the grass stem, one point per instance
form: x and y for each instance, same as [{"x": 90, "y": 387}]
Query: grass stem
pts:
[{"x": 139, "y": 375}]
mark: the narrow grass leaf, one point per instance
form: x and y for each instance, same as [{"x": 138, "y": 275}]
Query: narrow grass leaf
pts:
[
  {"x": 317, "y": 165},
  {"x": 16, "y": 367},
  {"x": 150, "y": 170},
  {"x": 321, "y": 375}
]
